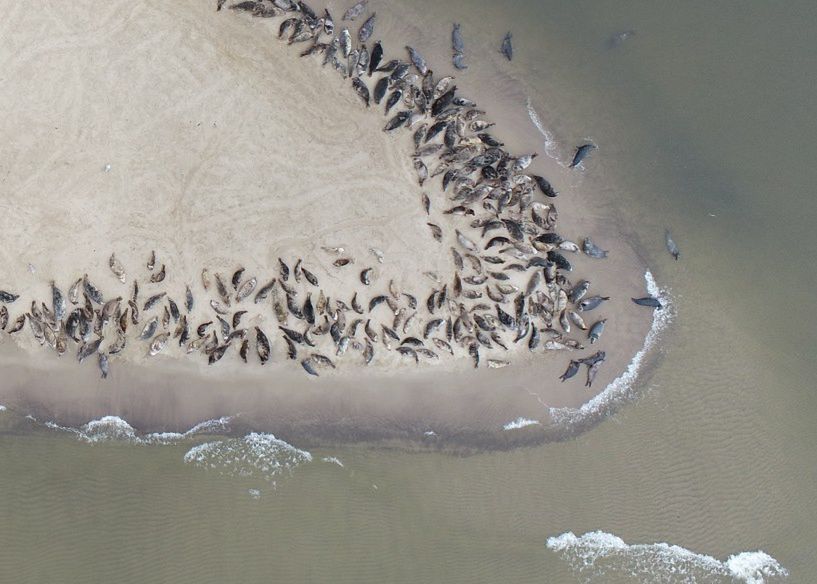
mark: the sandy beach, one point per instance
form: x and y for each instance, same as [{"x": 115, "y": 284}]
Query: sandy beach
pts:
[{"x": 174, "y": 128}]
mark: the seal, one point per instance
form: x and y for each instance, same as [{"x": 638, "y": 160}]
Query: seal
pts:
[
  {"x": 648, "y": 301},
  {"x": 417, "y": 60},
  {"x": 592, "y": 303},
  {"x": 571, "y": 371},
  {"x": 375, "y": 57},
  {"x": 361, "y": 89},
  {"x": 672, "y": 248},
  {"x": 592, "y": 250},
  {"x": 366, "y": 29},
  {"x": 581, "y": 153},
  {"x": 507, "y": 46},
  {"x": 356, "y": 10},
  {"x": 596, "y": 330}
]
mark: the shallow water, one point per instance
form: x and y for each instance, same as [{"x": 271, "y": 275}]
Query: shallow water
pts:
[{"x": 703, "y": 124}]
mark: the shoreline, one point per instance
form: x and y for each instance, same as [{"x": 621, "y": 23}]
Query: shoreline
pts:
[{"x": 391, "y": 401}]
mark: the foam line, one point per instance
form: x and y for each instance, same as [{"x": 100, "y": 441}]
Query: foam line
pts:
[
  {"x": 114, "y": 428},
  {"x": 597, "y": 555},
  {"x": 520, "y": 423},
  {"x": 550, "y": 145}
]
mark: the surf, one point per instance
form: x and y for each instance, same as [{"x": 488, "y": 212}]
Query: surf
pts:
[
  {"x": 255, "y": 455},
  {"x": 597, "y": 555},
  {"x": 115, "y": 429}
]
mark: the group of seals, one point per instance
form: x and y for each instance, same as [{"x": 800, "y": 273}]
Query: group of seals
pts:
[{"x": 509, "y": 286}]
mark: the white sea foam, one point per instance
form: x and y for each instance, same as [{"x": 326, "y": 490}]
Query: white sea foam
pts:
[
  {"x": 115, "y": 429},
  {"x": 108, "y": 428},
  {"x": 596, "y": 556},
  {"x": 254, "y": 493},
  {"x": 255, "y": 455},
  {"x": 333, "y": 460},
  {"x": 217, "y": 426},
  {"x": 520, "y": 423},
  {"x": 550, "y": 144},
  {"x": 620, "y": 389},
  {"x": 211, "y": 426},
  {"x": 754, "y": 567}
]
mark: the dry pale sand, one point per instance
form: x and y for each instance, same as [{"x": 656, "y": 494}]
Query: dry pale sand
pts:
[{"x": 137, "y": 126}]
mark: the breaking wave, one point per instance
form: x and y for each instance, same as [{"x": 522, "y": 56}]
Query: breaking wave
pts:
[
  {"x": 620, "y": 389},
  {"x": 253, "y": 456},
  {"x": 596, "y": 556},
  {"x": 333, "y": 460},
  {"x": 115, "y": 429},
  {"x": 520, "y": 423},
  {"x": 256, "y": 455}
]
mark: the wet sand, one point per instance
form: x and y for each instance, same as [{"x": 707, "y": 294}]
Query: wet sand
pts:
[{"x": 226, "y": 149}]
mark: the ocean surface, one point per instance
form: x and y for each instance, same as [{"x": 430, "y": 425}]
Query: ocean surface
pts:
[{"x": 708, "y": 473}]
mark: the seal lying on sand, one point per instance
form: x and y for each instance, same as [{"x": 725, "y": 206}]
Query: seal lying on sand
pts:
[{"x": 8, "y": 297}]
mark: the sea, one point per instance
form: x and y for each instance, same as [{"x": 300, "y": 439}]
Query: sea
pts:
[{"x": 699, "y": 468}]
